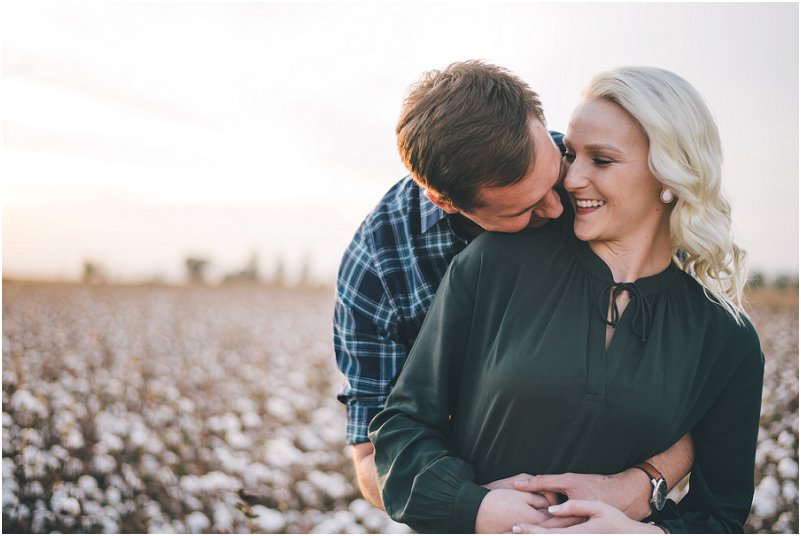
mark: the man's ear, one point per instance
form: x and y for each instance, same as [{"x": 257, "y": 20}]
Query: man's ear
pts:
[{"x": 445, "y": 205}]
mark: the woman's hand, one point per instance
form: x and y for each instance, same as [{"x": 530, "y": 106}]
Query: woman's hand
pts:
[
  {"x": 628, "y": 491},
  {"x": 600, "y": 518},
  {"x": 502, "y": 508}
]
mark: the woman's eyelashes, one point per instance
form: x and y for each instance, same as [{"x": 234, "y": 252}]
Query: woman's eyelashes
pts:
[{"x": 600, "y": 161}]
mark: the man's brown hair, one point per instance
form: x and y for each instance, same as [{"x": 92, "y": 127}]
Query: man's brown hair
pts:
[{"x": 466, "y": 127}]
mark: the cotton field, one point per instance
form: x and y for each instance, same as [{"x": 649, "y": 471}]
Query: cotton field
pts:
[{"x": 213, "y": 409}]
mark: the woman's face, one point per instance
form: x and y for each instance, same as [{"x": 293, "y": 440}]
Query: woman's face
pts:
[{"x": 614, "y": 193}]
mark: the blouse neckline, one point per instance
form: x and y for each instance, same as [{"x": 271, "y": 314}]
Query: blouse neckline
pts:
[{"x": 652, "y": 284}]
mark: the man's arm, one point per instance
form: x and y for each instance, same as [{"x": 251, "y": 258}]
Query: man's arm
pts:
[
  {"x": 629, "y": 490},
  {"x": 366, "y": 475}
]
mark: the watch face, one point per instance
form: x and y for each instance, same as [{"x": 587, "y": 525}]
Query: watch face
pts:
[{"x": 660, "y": 494}]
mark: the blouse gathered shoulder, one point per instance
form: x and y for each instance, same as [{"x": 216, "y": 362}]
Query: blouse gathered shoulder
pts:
[{"x": 510, "y": 374}]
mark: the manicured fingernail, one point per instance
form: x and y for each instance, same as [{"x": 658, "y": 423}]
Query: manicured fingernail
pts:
[
  {"x": 516, "y": 529},
  {"x": 554, "y": 508}
]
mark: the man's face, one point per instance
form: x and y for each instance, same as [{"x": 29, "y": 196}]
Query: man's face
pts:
[{"x": 532, "y": 201}]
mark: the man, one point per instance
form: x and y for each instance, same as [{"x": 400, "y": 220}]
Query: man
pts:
[{"x": 474, "y": 139}]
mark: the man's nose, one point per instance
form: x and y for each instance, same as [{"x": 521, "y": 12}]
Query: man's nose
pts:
[{"x": 551, "y": 206}]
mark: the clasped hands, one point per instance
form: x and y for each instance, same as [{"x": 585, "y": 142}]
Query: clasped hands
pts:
[{"x": 596, "y": 503}]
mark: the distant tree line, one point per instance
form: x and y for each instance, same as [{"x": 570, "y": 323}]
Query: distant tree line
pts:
[
  {"x": 758, "y": 280},
  {"x": 196, "y": 269}
]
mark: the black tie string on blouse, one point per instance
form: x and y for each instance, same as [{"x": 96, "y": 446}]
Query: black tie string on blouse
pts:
[{"x": 641, "y": 320}]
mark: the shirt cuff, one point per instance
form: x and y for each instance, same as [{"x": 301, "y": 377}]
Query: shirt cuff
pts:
[
  {"x": 359, "y": 417},
  {"x": 465, "y": 508}
]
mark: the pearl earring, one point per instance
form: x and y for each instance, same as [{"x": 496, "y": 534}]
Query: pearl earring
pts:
[{"x": 666, "y": 195}]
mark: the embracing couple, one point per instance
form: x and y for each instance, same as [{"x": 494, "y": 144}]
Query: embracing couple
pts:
[{"x": 561, "y": 372}]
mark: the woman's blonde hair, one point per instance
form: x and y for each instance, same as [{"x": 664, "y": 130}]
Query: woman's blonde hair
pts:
[{"x": 685, "y": 155}]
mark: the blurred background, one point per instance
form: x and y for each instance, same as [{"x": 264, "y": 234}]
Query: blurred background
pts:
[
  {"x": 138, "y": 136},
  {"x": 150, "y": 144}
]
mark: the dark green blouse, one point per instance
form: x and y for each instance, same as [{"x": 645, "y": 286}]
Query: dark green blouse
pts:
[{"x": 509, "y": 374}]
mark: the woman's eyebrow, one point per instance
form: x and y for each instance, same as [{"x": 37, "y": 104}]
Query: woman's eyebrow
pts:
[{"x": 601, "y": 147}]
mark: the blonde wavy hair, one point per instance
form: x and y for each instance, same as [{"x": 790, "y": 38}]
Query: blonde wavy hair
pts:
[{"x": 685, "y": 155}]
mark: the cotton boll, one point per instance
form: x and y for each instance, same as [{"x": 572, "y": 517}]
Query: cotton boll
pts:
[
  {"x": 334, "y": 484},
  {"x": 267, "y": 520},
  {"x": 103, "y": 464},
  {"x": 9, "y": 467},
  {"x": 31, "y": 436},
  {"x": 64, "y": 505},
  {"x": 10, "y": 499},
  {"x": 73, "y": 467},
  {"x": 766, "y": 497},
  {"x": 307, "y": 492},
  {"x": 88, "y": 486},
  {"x": 59, "y": 452},
  {"x": 197, "y": 522},
  {"x": 787, "y": 468},
  {"x": 192, "y": 502},
  {"x": 27, "y": 408},
  {"x": 109, "y": 526},
  {"x": 790, "y": 491},
  {"x": 280, "y": 409},
  {"x": 20, "y": 512},
  {"x": 73, "y": 439},
  {"x": 280, "y": 452},
  {"x": 41, "y": 520},
  {"x": 251, "y": 419},
  {"x": 360, "y": 508},
  {"x": 786, "y": 439},
  {"x": 375, "y": 520},
  {"x": 244, "y": 405},
  {"x": 327, "y": 526},
  {"x": 238, "y": 440},
  {"x": 223, "y": 517},
  {"x": 34, "y": 488}
]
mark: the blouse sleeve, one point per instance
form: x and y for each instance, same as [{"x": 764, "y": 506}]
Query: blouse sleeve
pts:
[
  {"x": 422, "y": 483},
  {"x": 722, "y": 475}
]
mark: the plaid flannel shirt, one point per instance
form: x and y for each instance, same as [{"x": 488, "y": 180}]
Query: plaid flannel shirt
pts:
[{"x": 387, "y": 279}]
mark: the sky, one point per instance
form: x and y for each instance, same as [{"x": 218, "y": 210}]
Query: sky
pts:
[{"x": 137, "y": 134}]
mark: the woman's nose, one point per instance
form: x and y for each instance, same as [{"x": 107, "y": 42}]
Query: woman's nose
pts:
[{"x": 574, "y": 178}]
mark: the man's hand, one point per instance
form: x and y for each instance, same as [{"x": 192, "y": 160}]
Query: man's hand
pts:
[
  {"x": 509, "y": 483},
  {"x": 625, "y": 491},
  {"x": 599, "y": 518},
  {"x": 366, "y": 473},
  {"x": 629, "y": 491},
  {"x": 503, "y": 508}
]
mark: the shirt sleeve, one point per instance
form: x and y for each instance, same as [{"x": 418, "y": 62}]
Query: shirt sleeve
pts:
[
  {"x": 366, "y": 342},
  {"x": 423, "y": 484},
  {"x": 722, "y": 475}
]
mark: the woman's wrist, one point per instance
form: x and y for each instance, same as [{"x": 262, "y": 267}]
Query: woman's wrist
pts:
[{"x": 660, "y": 528}]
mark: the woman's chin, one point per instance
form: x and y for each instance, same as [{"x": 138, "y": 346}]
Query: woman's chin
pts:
[{"x": 584, "y": 234}]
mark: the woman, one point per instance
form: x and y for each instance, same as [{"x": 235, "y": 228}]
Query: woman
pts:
[{"x": 626, "y": 334}]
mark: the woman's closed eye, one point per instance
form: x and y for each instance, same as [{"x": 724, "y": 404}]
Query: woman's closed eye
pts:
[{"x": 600, "y": 161}]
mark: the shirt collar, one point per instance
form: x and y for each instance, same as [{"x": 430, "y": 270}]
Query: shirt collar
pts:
[{"x": 430, "y": 214}]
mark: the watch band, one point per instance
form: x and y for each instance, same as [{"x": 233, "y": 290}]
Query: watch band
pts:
[
  {"x": 659, "y": 486},
  {"x": 652, "y": 472}
]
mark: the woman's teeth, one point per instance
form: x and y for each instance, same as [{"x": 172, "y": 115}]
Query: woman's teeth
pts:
[{"x": 587, "y": 203}]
